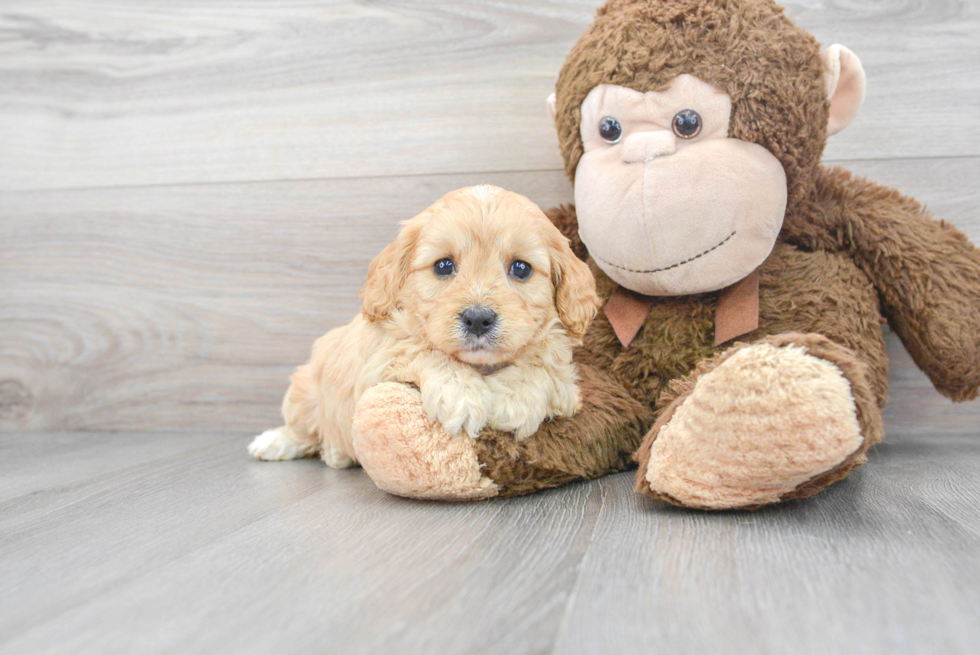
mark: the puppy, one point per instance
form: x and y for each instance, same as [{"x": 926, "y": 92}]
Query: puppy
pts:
[{"x": 477, "y": 303}]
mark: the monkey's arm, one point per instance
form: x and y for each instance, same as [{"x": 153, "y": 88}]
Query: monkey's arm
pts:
[
  {"x": 599, "y": 439},
  {"x": 926, "y": 272},
  {"x": 565, "y": 219},
  {"x": 408, "y": 455}
]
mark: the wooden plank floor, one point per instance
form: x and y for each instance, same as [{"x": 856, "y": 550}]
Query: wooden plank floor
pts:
[
  {"x": 190, "y": 194},
  {"x": 113, "y": 543}
]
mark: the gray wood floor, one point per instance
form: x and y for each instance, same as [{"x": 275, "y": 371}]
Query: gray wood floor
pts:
[
  {"x": 116, "y": 543},
  {"x": 190, "y": 193}
]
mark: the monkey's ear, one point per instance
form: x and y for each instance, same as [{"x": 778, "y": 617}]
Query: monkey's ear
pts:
[
  {"x": 844, "y": 81},
  {"x": 552, "y": 110},
  {"x": 384, "y": 280}
]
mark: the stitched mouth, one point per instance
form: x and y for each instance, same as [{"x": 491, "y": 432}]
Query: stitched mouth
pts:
[{"x": 672, "y": 266}]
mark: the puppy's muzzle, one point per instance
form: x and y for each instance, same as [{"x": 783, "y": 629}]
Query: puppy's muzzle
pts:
[{"x": 477, "y": 320}]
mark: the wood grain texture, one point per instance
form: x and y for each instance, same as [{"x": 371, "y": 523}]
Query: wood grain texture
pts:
[
  {"x": 187, "y": 307},
  {"x": 154, "y": 308},
  {"x": 194, "y": 548},
  {"x": 109, "y": 93},
  {"x": 190, "y": 193},
  {"x": 883, "y": 562},
  {"x": 214, "y": 552}
]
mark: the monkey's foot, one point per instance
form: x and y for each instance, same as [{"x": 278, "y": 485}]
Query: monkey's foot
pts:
[
  {"x": 778, "y": 419},
  {"x": 408, "y": 455}
]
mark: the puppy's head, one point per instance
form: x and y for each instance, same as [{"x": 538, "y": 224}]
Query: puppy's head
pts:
[{"x": 481, "y": 275}]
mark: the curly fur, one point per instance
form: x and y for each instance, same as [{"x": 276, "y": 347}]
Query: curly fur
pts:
[{"x": 515, "y": 376}]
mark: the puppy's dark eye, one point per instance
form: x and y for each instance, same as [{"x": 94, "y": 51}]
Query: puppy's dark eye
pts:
[
  {"x": 610, "y": 130},
  {"x": 520, "y": 270},
  {"x": 687, "y": 124},
  {"x": 444, "y": 267}
]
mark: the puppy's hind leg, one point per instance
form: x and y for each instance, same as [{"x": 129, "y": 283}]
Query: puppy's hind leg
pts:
[
  {"x": 299, "y": 437},
  {"x": 279, "y": 444}
]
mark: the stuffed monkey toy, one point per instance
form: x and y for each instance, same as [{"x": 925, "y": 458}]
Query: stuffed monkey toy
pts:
[{"x": 739, "y": 359}]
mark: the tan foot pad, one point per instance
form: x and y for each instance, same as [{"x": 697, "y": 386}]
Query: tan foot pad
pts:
[
  {"x": 763, "y": 422},
  {"x": 407, "y": 455}
]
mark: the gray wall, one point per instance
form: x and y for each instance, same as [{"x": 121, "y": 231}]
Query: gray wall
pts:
[{"x": 190, "y": 192}]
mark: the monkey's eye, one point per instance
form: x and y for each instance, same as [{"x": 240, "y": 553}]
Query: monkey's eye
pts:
[
  {"x": 610, "y": 130},
  {"x": 687, "y": 124},
  {"x": 520, "y": 270},
  {"x": 444, "y": 267}
]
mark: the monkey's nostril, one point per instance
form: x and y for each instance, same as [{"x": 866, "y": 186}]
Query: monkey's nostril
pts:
[{"x": 478, "y": 320}]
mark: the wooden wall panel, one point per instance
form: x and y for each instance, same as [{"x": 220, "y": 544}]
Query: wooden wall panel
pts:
[
  {"x": 187, "y": 307},
  {"x": 111, "y": 92},
  {"x": 190, "y": 192},
  {"x": 148, "y": 308}
]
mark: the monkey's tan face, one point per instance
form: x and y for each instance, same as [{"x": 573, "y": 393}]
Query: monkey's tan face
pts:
[{"x": 667, "y": 204}]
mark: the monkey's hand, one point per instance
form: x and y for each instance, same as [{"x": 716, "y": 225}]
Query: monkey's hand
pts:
[
  {"x": 927, "y": 275},
  {"x": 408, "y": 455}
]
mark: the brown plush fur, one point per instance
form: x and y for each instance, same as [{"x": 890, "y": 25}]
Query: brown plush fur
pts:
[
  {"x": 851, "y": 253},
  {"x": 926, "y": 272},
  {"x": 747, "y": 48},
  {"x": 600, "y": 440},
  {"x": 799, "y": 292}
]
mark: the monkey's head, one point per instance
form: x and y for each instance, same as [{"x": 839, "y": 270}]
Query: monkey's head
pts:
[{"x": 687, "y": 128}]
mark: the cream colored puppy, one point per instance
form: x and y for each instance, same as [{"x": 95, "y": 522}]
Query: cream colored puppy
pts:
[{"x": 477, "y": 303}]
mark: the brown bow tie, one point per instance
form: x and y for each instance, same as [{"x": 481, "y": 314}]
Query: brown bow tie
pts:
[{"x": 737, "y": 312}]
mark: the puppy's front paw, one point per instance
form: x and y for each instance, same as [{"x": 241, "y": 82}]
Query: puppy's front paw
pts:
[
  {"x": 520, "y": 415},
  {"x": 522, "y": 399},
  {"x": 526, "y": 430},
  {"x": 457, "y": 407},
  {"x": 474, "y": 423}
]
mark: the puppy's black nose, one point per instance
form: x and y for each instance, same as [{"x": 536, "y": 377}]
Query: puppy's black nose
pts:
[{"x": 478, "y": 320}]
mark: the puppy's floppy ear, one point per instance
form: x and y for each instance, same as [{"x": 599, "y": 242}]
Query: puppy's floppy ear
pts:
[
  {"x": 386, "y": 275},
  {"x": 575, "y": 295},
  {"x": 383, "y": 281}
]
